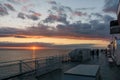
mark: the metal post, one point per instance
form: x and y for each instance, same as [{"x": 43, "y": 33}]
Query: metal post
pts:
[
  {"x": 20, "y": 66},
  {"x": 36, "y": 66}
]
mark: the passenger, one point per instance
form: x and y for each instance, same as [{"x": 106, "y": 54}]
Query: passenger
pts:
[
  {"x": 97, "y": 53},
  {"x": 106, "y": 52},
  {"x": 92, "y": 54}
]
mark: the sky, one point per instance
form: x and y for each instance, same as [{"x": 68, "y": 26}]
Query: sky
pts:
[{"x": 56, "y": 23}]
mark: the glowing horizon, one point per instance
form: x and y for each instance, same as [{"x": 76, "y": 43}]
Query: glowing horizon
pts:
[
  {"x": 60, "y": 42},
  {"x": 24, "y": 48}
]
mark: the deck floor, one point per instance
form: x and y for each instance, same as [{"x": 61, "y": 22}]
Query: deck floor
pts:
[{"x": 107, "y": 71}]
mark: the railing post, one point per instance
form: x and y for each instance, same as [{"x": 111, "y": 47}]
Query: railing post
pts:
[
  {"x": 36, "y": 65},
  {"x": 20, "y": 66}
]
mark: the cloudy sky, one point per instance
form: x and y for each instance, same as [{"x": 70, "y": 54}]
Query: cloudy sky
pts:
[{"x": 56, "y": 23}]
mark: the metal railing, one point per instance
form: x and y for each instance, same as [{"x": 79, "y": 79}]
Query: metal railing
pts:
[{"x": 38, "y": 66}]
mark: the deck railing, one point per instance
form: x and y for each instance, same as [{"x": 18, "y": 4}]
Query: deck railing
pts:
[{"x": 38, "y": 66}]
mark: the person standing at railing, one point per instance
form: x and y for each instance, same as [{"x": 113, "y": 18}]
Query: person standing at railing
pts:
[
  {"x": 92, "y": 54},
  {"x": 97, "y": 53}
]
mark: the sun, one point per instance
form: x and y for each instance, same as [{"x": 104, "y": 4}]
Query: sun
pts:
[{"x": 34, "y": 48}]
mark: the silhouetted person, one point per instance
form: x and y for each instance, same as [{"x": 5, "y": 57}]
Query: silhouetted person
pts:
[
  {"x": 92, "y": 54},
  {"x": 106, "y": 53},
  {"x": 97, "y": 53}
]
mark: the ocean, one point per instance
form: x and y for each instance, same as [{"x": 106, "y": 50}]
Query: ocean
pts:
[{"x": 9, "y": 55}]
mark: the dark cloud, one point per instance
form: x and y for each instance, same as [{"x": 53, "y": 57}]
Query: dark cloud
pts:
[
  {"x": 51, "y": 18},
  {"x": 56, "y": 18},
  {"x": 14, "y": 1},
  {"x": 75, "y": 30},
  {"x": 9, "y": 6},
  {"x": 60, "y": 13},
  {"x": 9, "y": 32},
  {"x": 18, "y": 1},
  {"x": 94, "y": 22},
  {"x": 105, "y": 18},
  {"x": 33, "y": 17},
  {"x": 54, "y": 8},
  {"x": 101, "y": 28},
  {"x": 8, "y": 44},
  {"x": 111, "y": 6},
  {"x": 52, "y": 2},
  {"x": 68, "y": 8},
  {"x": 74, "y": 46},
  {"x": 40, "y": 30},
  {"x": 20, "y": 36},
  {"x": 61, "y": 9},
  {"x": 93, "y": 29},
  {"x": 64, "y": 10},
  {"x": 6, "y": 35},
  {"x": 78, "y": 13},
  {"x": 3, "y": 10},
  {"x": 92, "y": 8},
  {"x": 21, "y": 15},
  {"x": 34, "y": 13},
  {"x": 58, "y": 9}
]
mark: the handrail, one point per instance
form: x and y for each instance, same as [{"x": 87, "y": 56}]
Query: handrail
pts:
[
  {"x": 19, "y": 60},
  {"x": 27, "y": 66},
  {"x": 4, "y": 62},
  {"x": 37, "y": 63},
  {"x": 25, "y": 59}
]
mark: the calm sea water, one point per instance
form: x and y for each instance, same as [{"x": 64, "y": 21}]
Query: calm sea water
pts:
[{"x": 8, "y": 55}]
